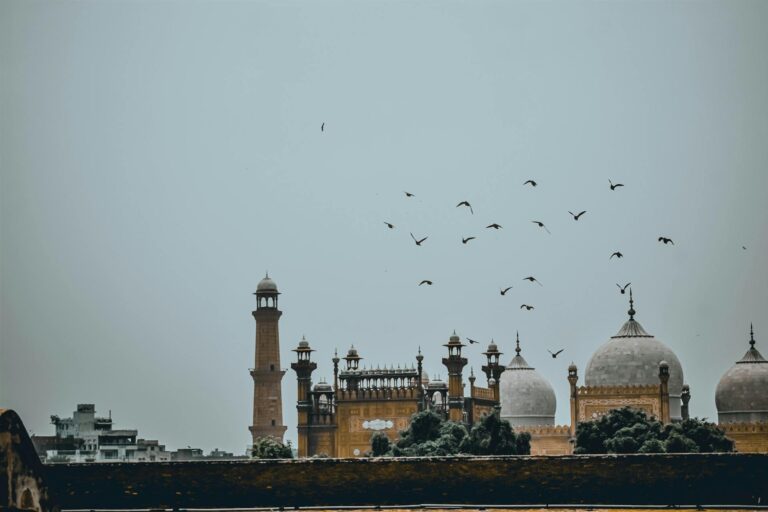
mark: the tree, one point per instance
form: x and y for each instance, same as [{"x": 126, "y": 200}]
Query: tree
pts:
[
  {"x": 628, "y": 430},
  {"x": 379, "y": 444},
  {"x": 494, "y": 436},
  {"x": 271, "y": 448},
  {"x": 430, "y": 435}
]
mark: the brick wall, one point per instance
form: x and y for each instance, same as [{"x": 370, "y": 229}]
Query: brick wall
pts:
[{"x": 628, "y": 479}]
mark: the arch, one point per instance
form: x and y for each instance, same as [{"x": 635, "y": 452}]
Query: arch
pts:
[{"x": 27, "y": 502}]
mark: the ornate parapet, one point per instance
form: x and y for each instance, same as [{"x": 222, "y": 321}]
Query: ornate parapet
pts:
[
  {"x": 748, "y": 437},
  {"x": 549, "y": 439},
  {"x": 595, "y": 401},
  {"x": 21, "y": 484},
  {"x": 481, "y": 393}
]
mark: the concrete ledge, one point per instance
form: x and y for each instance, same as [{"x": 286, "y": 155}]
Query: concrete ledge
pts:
[{"x": 707, "y": 479}]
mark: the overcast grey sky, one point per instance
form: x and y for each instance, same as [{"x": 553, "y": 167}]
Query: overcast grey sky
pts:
[{"x": 157, "y": 157}]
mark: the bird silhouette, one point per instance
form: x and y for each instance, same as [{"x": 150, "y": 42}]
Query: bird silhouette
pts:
[
  {"x": 617, "y": 254},
  {"x": 389, "y": 225},
  {"x": 666, "y": 240},
  {"x": 623, "y": 289},
  {"x": 541, "y": 225},
  {"x": 744, "y": 247},
  {"x": 576, "y": 217},
  {"x": 555, "y": 354},
  {"x": 471, "y": 341},
  {"x": 494, "y": 226},
  {"x": 465, "y": 240},
  {"x": 418, "y": 242},
  {"x": 613, "y": 187},
  {"x": 527, "y": 307},
  {"x": 408, "y": 194},
  {"x": 426, "y": 281},
  {"x": 322, "y": 127},
  {"x": 530, "y": 182},
  {"x": 505, "y": 290},
  {"x": 466, "y": 203},
  {"x": 532, "y": 279}
]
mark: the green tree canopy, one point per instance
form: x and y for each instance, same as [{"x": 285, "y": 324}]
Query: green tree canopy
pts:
[
  {"x": 271, "y": 448},
  {"x": 628, "y": 430},
  {"x": 429, "y": 434}
]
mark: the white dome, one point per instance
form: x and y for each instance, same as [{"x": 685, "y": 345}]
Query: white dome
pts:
[
  {"x": 631, "y": 358},
  {"x": 266, "y": 285},
  {"x": 742, "y": 393},
  {"x": 526, "y": 397}
]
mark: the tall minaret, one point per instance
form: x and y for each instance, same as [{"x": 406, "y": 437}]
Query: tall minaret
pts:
[
  {"x": 267, "y": 373},
  {"x": 455, "y": 363}
]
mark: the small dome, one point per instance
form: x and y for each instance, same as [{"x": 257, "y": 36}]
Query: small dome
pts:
[
  {"x": 266, "y": 285},
  {"x": 526, "y": 397},
  {"x": 303, "y": 343},
  {"x": 742, "y": 393},
  {"x": 322, "y": 386},
  {"x": 424, "y": 378},
  {"x": 437, "y": 384},
  {"x": 631, "y": 358},
  {"x": 352, "y": 352}
]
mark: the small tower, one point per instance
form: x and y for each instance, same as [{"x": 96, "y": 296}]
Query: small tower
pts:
[
  {"x": 573, "y": 378},
  {"x": 664, "y": 391},
  {"x": 303, "y": 368},
  {"x": 353, "y": 365},
  {"x": 420, "y": 388},
  {"x": 494, "y": 369},
  {"x": 455, "y": 363},
  {"x": 266, "y": 373}
]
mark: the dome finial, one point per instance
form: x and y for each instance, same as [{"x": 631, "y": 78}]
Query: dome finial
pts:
[
  {"x": 631, "y": 306},
  {"x": 751, "y": 336},
  {"x": 517, "y": 342}
]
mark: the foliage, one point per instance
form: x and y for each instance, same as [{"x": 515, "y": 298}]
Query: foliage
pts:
[
  {"x": 628, "y": 430},
  {"x": 271, "y": 448},
  {"x": 379, "y": 444},
  {"x": 430, "y": 435},
  {"x": 494, "y": 436}
]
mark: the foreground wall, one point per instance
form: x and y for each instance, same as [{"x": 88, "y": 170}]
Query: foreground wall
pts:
[
  {"x": 630, "y": 479},
  {"x": 21, "y": 485}
]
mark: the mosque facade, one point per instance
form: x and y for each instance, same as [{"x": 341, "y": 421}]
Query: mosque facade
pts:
[{"x": 633, "y": 368}]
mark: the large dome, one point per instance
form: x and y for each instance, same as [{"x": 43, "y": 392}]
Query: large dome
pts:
[
  {"x": 526, "y": 397},
  {"x": 742, "y": 393},
  {"x": 631, "y": 358}
]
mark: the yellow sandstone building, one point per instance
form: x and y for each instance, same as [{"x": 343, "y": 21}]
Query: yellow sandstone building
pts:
[{"x": 632, "y": 368}]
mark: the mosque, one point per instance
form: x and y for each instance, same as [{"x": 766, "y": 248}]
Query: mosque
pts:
[{"x": 632, "y": 368}]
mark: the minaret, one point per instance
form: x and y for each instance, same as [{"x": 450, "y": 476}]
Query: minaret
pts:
[
  {"x": 455, "y": 363},
  {"x": 267, "y": 373},
  {"x": 304, "y": 368},
  {"x": 494, "y": 369}
]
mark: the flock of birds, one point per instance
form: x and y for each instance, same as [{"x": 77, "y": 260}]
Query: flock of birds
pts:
[{"x": 419, "y": 241}]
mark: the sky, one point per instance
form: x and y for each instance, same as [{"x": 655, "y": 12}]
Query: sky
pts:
[{"x": 157, "y": 158}]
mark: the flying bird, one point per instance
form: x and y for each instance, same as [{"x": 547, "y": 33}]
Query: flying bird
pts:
[
  {"x": 471, "y": 341},
  {"x": 389, "y": 225},
  {"x": 527, "y": 307},
  {"x": 426, "y": 281},
  {"x": 541, "y": 225},
  {"x": 617, "y": 254},
  {"x": 744, "y": 247},
  {"x": 532, "y": 279},
  {"x": 465, "y": 240},
  {"x": 494, "y": 226},
  {"x": 613, "y": 187},
  {"x": 418, "y": 242},
  {"x": 530, "y": 182},
  {"x": 505, "y": 290},
  {"x": 408, "y": 194},
  {"x": 666, "y": 240},
  {"x": 466, "y": 203},
  {"x": 555, "y": 354},
  {"x": 623, "y": 289},
  {"x": 576, "y": 217},
  {"x": 322, "y": 127}
]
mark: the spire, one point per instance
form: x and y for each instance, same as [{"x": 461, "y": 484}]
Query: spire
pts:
[
  {"x": 751, "y": 336},
  {"x": 631, "y": 311},
  {"x": 517, "y": 342}
]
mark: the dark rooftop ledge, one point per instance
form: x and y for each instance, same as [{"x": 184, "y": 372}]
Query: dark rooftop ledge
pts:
[{"x": 499, "y": 482}]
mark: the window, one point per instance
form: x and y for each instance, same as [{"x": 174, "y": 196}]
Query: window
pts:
[
  {"x": 271, "y": 367},
  {"x": 273, "y": 423}
]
